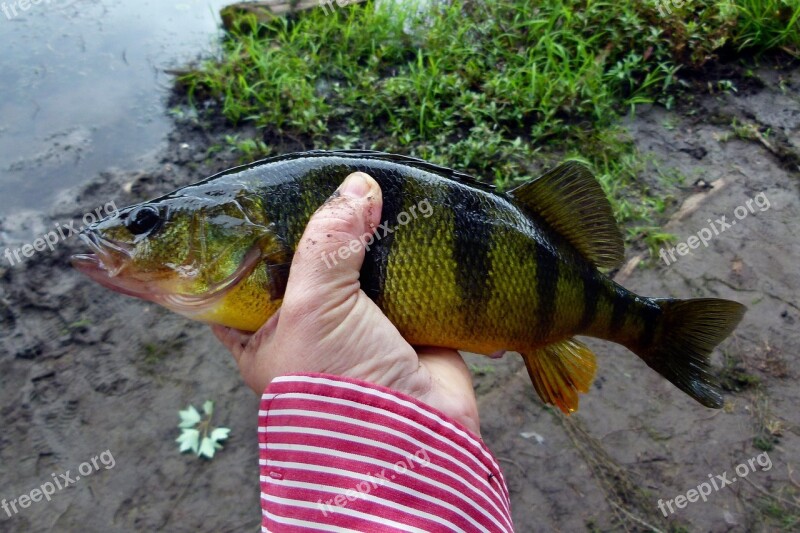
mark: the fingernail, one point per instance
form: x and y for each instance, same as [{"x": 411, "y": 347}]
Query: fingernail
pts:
[{"x": 355, "y": 186}]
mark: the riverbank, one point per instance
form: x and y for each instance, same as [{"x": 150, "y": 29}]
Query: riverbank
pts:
[{"x": 85, "y": 371}]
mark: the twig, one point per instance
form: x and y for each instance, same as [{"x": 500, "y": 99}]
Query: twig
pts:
[
  {"x": 791, "y": 478},
  {"x": 628, "y": 269},
  {"x": 634, "y": 517},
  {"x": 764, "y": 491},
  {"x": 512, "y": 462}
]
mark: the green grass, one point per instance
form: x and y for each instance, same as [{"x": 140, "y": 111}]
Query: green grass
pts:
[
  {"x": 496, "y": 88},
  {"x": 780, "y": 512},
  {"x": 767, "y": 24}
]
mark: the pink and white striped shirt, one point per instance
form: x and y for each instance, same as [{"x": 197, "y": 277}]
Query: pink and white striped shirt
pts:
[{"x": 339, "y": 454}]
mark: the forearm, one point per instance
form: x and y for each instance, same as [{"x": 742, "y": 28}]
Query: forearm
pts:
[{"x": 350, "y": 454}]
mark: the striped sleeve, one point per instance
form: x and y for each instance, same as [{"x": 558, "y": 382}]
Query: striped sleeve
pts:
[{"x": 339, "y": 454}]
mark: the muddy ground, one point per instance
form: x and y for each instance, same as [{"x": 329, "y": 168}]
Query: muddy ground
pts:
[{"x": 84, "y": 370}]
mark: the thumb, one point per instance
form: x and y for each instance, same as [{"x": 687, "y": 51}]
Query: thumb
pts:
[{"x": 330, "y": 253}]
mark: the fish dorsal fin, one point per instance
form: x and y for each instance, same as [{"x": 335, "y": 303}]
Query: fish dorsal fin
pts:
[
  {"x": 571, "y": 200},
  {"x": 408, "y": 160},
  {"x": 561, "y": 370},
  {"x": 415, "y": 162},
  {"x": 421, "y": 164}
]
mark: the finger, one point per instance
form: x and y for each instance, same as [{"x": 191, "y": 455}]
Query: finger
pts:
[
  {"x": 448, "y": 361},
  {"x": 233, "y": 339},
  {"x": 328, "y": 259},
  {"x": 435, "y": 350}
]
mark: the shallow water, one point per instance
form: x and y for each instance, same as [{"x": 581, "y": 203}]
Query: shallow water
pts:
[{"x": 83, "y": 88}]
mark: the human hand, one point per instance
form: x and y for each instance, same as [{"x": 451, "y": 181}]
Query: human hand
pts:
[{"x": 327, "y": 324}]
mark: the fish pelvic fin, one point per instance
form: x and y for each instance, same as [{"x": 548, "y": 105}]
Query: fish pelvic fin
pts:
[
  {"x": 573, "y": 203},
  {"x": 688, "y": 332},
  {"x": 561, "y": 370}
]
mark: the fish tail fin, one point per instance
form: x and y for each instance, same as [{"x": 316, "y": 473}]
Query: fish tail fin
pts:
[
  {"x": 687, "y": 333},
  {"x": 561, "y": 370}
]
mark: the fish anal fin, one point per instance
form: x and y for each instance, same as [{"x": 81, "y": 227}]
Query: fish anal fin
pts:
[
  {"x": 572, "y": 201},
  {"x": 561, "y": 370}
]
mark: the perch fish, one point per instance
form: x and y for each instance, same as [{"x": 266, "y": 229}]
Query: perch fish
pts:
[{"x": 481, "y": 271}]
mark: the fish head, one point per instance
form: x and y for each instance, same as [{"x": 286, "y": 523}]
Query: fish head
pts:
[{"x": 207, "y": 255}]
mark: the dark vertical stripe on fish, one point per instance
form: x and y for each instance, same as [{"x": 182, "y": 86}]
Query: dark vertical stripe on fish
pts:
[
  {"x": 650, "y": 314},
  {"x": 306, "y": 192},
  {"x": 284, "y": 220},
  {"x": 373, "y": 272},
  {"x": 472, "y": 246},
  {"x": 591, "y": 294},
  {"x": 546, "y": 286},
  {"x": 621, "y": 304}
]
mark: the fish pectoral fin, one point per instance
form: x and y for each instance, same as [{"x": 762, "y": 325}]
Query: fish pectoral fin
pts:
[
  {"x": 561, "y": 370},
  {"x": 572, "y": 201}
]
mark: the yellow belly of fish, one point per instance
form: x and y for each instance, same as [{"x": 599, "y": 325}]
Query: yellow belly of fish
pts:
[{"x": 246, "y": 307}]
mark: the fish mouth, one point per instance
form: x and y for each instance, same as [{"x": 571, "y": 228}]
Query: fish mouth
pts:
[
  {"x": 105, "y": 264},
  {"x": 108, "y": 266}
]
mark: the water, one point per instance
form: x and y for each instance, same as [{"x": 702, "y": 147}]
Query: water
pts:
[{"x": 83, "y": 88}]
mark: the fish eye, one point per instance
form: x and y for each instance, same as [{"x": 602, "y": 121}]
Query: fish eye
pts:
[{"x": 143, "y": 220}]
